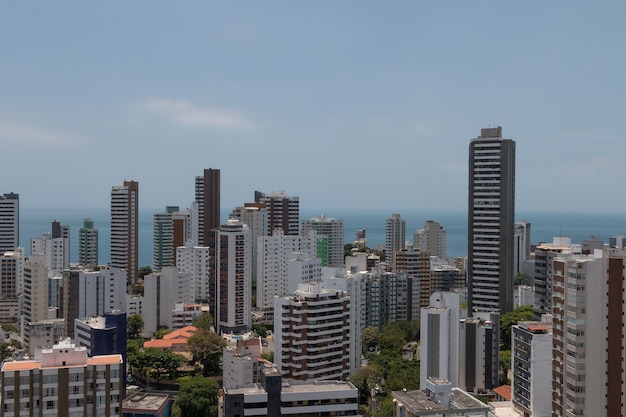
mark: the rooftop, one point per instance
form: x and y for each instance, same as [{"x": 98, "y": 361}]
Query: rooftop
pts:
[
  {"x": 142, "y": 401},
  {"x": 419, "y": 403}
]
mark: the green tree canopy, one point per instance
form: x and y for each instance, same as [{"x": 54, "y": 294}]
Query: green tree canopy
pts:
[
  {"x": 197, "y": 397},
  {"x": 134, "y": 324},
  {"x": 206, "y": 347},
  {"x": 507, "y": 320},
  {"x": 203, "y": 321}
]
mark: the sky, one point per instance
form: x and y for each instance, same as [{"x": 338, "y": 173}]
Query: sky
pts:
[{"x": 348, "y": 105}]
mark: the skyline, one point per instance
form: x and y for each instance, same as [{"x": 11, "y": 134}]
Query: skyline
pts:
[{"x": 346, "y": 106}]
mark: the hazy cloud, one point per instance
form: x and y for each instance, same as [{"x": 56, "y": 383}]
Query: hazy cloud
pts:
[
  {"x": 17, "y": 133},
  {"x": 185, "y": 113}
]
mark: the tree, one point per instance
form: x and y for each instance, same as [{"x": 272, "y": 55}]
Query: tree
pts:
[
  {"x": 505, "y": 365},
  {"x": 369, "y": 339},
  {"x": 162, "y": 332},
  {"x": 268, "y": 356},
  {"x": 206, "y": 347},
  {"x": 197, "y": 397},
  {"x": 203, "y": 322},
  {"x": 135, "y": 325},
  {"x": 144, "y": 270},
  {"x": 162, "y": 362},
  {"x": 507, "y": 320}
]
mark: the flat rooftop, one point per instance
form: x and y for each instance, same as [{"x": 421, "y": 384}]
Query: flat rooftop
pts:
[
  {"x": 142, "y": 401},
  {"x": 419, "y": 403}
]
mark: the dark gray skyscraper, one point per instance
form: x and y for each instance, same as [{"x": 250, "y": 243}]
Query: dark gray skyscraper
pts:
[
  {"x": 490, "y": 226},
  {"x": 208, "y": 198}
]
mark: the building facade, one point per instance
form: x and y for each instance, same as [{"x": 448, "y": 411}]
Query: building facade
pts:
[
  {"x": 333, "y": 229},
  {"x": 283, "y": 211},
  {"x": 163, "y": 252},
  {"x": 395, "y": 236},
  {"x": 432, "y": 238},
  {"x": 312, "y": 334},
  {"x": 125, "y": 229},
  {"x": 88, "y": 244},
  {"x": 491, "y": 210},
  {"x": 208, "y": 199},
  {"x": 9, "y": 222}
]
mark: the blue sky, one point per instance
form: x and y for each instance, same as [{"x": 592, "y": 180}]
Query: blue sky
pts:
[{"x": 351, "y": 104}]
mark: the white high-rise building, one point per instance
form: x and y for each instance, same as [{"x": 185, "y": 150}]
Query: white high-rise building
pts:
[
  {"x": 125, "y": 229},
  {"x": 531, "y": 352},
  {"x": 312, "y": 334},
  {"x": 439, "y": 343},
  {"x": 432, "y": 238},
  {"x": 395, "y": 236},
  {"x": 255, "y": 215},
  {"x": 521, "y": 245},
  {"x": 589, "y": 334},
  {"x": 233, "y": 278},
  {"x": 55, "y": 250},
  {"x": 162, "y": 291},
  {"x": 275, "y": 255},
  {"x": 333, "y": 229},
  {"x": 491, "y": 216},
  {"x": 9, "y": 222},
  {"x": 100, "y": 291},
  {"x": 11, "y": 273},
  {"x": 35, "y": 294},
  {"x": 195, "y": 261},
  {"x": 350, "y": 283}
]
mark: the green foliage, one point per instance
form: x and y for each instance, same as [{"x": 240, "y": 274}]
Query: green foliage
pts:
[
  {"x": 8, "y": 327},
  {"x": 505, "y": 365},
  {"x": 137, "y": 289},
  {"x": 162, "y": 332},
  {"x": 134, "y": 325},
  {"x": 197, "y": 397},
  {"x": 524, "y": 313},
  {"x": 143, "y": 271},
  {"x": 203, "y": 322},
  {"x": 206, "y": 347},
  {"x": 369, "y": 339},
  {"x": 268, "y": 356},
  {"x": 7, "y": 348},
  {"x": 260, "y": 329},
  {"x": 391, "y": 339},
  {"x": 155, "y": 362}
]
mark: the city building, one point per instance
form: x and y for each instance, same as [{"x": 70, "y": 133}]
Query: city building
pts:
[
  {"x": 545, "y": 254},
  {"x": 163, "y": 238},
  {"x": 9, "y": 222},
  {"x": 491, "y": 210},
  {"x": 234, "y": 278},
  {"x": 208, "y": 200},
  {"x": 143, "y": 404},
  {"x": 589, "y": 334},
  {"x": 333, "y": 229},
  {"x": 88, "y": 244},
  {"x": 531, "y": 368},
  {"x": 432, "y": 238},
  {"x": 274, "y": 396},
  {"x": 283, "y": 211},
  {"x": 35, "y": 294},
  {"x": 395, "y": 236},
  {"x": 255, "y": 215},
  {"x": 125, "y": 229},
  {"x": 416, "y": 264},
  {"x": 275, "y": 274},
  {"x": 196, "y": 261},
  {"x": 438, "y": 398},
  {"x": 241, "y": 363},
  {"x": 102, "y": 335},
  {"x": 175, "y": 341},
  {"x": 479, "y": 344},
  {"x": 164, "y": 290},
  {"x": 521, "y": 245},
  {"x": 11, "y": 273},
  {"x": 63, "y": 381},
  {"x": 439, "y": 341},
  {"x": 312, "y": 334},
  {"x": 45, "y": 334},
  {"x": 100, "y": 291},
  {"x": 185, "y": 315},
  {"x": 55, "y": 250}
]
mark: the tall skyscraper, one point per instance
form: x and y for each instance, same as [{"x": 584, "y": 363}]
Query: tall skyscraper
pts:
[
  {"x": 163, "y": 253},
  {"x": 395, "y": 236},
  {"x": 333, "y": 229},
  {"x": 491, "y": 212},
  {"x": 9, "y": 222},
  {"x": 208, "y": 199},
  {"x": 521, "y": 245},
  {"x": 283, "y": 211},
  {"x": 88, "y": 244},
  {"x": 125, "y": 229}
]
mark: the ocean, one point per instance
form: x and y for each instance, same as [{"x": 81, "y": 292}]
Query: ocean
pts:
[{"x": 544, "y": 226}]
